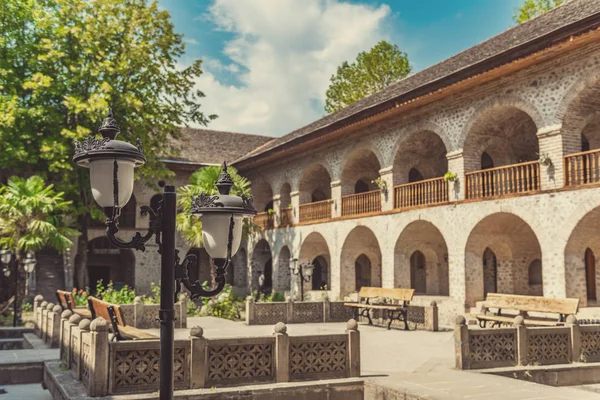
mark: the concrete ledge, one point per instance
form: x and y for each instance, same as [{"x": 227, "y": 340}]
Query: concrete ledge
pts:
[
  {"x": 553, "y": 375},
  {"x": 63, "y": 386},
  {"x": 14, "y": 333}
]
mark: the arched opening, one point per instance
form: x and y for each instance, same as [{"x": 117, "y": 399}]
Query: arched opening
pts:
[
  {"x": 581, "y": 269},
  {"x": 499, "y": 250},
  {"x": 107, "y": 263},
  {"x": 421, "y": 259},
  {"x": 263, "y": 196},
  {"x": 420, "y": 156},
  {"x": 315, "y": 184},
  {"x": 361, "y": 166},
  {"x": 262, "y": 267},
  {"x": 486, "y": 161},
  {"x": 418, "y": 275},
  {"x": 360, "y": 245},
  {"x": 282, "y": 280},
  {"x": 362, "y": 272},
  {"x": 535, "y": 278},
  {"x": 204, "y": 271},
  {"x": 314, "y": 249}
]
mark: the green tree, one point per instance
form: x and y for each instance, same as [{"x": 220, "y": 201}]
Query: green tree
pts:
[
  {"x": 63, "y": 63},
  {"x": 32, "y": 216},
  {"x": 533, "y": 8},
  {"x": 203, "y": 181},
  {"x": 372, "y": 71}
]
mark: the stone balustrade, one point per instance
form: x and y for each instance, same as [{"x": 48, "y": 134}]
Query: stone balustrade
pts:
[
  {"x": 106, "y": 367},
  {"x": 523, "y": 345}
]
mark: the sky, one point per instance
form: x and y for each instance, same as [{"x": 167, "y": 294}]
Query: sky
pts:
[{"x": 267, "y": 63}]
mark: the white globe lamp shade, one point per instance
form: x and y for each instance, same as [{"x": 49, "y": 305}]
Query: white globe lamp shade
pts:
[
  {"x": 101, "y": 179},
  {"x": 215, "y": 233},
  {"x": 5, "y": 256},
  {"x": 30, "y": 265},
  {"x": 309, "y": 268}
]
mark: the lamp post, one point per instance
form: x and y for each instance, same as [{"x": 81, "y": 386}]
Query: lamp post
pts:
[
  {"x": 6, "y": 256},
  {"x": 112, "y": 163},
  {"x": 304, "y": 271}
]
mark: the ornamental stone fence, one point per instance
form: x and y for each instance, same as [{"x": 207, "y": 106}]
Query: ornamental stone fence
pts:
[
  {"x": 520, "y": 345},
  {"x": 106, "y": 368},
  {"x": 257, "y": 313},
  {"x": 143, "y": 316}
]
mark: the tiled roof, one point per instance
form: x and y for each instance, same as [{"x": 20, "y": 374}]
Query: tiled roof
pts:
[
  {"x": 202, "y": 146},
  {"x": 417, "y": 85}
]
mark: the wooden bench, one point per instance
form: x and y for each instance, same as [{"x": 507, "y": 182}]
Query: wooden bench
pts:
[
  {"x": 396, "y": 310},
  {"x": 524, "y": 305},
  {"x": 67, "y": 302},
  {"x": 112, "y": 313}
]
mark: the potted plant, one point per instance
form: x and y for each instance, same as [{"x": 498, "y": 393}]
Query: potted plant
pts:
[
  {"x": 450, "y": 177},
  {"x": 381, "y": 184},
  {"x": 544, "y": 159},
  {"x": 270, "y": 211}
]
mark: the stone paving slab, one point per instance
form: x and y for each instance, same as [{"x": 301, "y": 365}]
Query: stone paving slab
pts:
[
  {"x": 32, "y": 391},
  {"x": 28, "y": 356}
]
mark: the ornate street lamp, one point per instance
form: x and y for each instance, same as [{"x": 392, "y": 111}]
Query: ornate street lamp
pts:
[
  {"x": 112, "y": 163},
  {"x": 29, "y": 263},
  {"x": 304, "y": 271}
]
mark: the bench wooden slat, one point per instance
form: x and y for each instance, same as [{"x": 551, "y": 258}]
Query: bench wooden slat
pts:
[
  {"x": 528, "y": 321},
  {"x": 65, "y": 299},
  {"x": 100, "y": 309},
  {"x": 532, "y": 303},
  {"x": 377, "y": 306},
  {"x": 136, "y": 333}
]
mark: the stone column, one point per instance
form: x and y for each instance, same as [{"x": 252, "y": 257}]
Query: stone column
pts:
[
  {"x": 521, "y": 333},
  {"x": 76, "y": 344},
  {"x": 353, "y": 348},
  {"x": 64, "y": 335},
  {"x": 326, "y": 309},
  {"x": 461, "y": 344},
  {"x": 282, "y": 353},
  {"x": 138, "y": 311},
  {"x": 387, "y": 194},
  {"x": 551, "y": 144},
  {"x": 289, "y": 302},
  {"x": 197, "y": 359},
  {"x": 336, "y": 196},
  {"x": 98, "y": 384},
  {"x": 45, "y": 326},
  {"x": 183, "y": 299},
  {"x": 456, "y": 165},
  {"x": 38, "y": 318},
  {"x": 37, "y": 300},
  {"x": 295, "y": 199},
  {"x": 74, "y": 321},
  {"x": 576, "y": 354},
  {"x": 277, "y": 209},
  {"x": 249, "y": 310},
  {"x": 54, "y": 324}
]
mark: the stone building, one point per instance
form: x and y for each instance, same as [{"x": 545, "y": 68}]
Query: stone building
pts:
[{"x": 361, "y": 193}]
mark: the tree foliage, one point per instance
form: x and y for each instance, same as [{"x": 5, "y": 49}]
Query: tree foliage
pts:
[
  {"x": 64, "y": 62},
  {"x": 372, "y": 71},
  {"x": 204, "y": 181},
  {"x": 533, "y": 8}
]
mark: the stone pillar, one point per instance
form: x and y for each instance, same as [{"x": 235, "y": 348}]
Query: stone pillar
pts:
[
  {"x": 277, "y": 209},
  {"x": 45, "y": 326},
  {"x": 289, "y": 310},
  {"x": 461, "y": 344},
  {"x": 64, "y": 335},
  {"x": 183, "y": 299},
  {"x": 295, "y": 199},
  {"x": 76, "y": 344},
  {"x": 249, "y": 310},
  {"x": 550, "y": 142},
  {"x": 456, "y": 165},
  {"x": 138, "y": 311},
  {"x": 387, "y": 194},
  {"x": 326, "y": 309},
  {"x": 74, "y": 321},
  {"x": 197, "y": 358},
  {"x": 336, "y": 196},
  {"x": 37, "y": 300},
  {"x": 98, "y": 384},
  {"x": 521, "y": 333},
  {"x": 434, "y": 316},
  {"x": 353, "y": 348},
  {"x": 576, "y": 354},
  {"x": 54, "y": 325},
  {"x": 38, "y": 318},
  {"x": 282, "y": 353}
]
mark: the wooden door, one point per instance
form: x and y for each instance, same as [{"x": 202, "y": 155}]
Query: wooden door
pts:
[{"x": 590, "y": 274}]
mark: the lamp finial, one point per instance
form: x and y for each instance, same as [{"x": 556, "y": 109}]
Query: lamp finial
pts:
[
  {"x": 224, "y": 183},
  {"x": 109, "y": 128}
]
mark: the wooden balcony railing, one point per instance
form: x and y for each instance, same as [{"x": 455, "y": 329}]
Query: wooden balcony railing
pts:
[
  {"x": 265, "y": 220},
  {"x": 430, "y": 191},
  {"x": 361, "y": 203},
  {"x": 319, "y": 210},
  {"x": 502, "y": 181},
  {"x": 582, "y": 168},
  {"x": 286, "y": 217}
]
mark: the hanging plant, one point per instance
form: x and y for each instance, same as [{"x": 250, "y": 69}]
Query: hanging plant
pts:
[
  {"x": 544, "y": 159},
  {"x": 380, "y": 183},
  {"x": 450, "y": 176}
]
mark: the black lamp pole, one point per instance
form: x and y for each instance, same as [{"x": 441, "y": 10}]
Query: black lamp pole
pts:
[
  {"x": 162, "y": 227},
  {"x": 299, "y": 271},
  {"x": 16, "y": 308}
]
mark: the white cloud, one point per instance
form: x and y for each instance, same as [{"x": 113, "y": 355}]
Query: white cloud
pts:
[
  {"x": 191, "y": 41},
  {"x": 283, "y": 54}
]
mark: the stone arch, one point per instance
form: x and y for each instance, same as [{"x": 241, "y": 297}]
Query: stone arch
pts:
[
  {"x": 314, "y": 247},
  {"x": 315, "y": 184},
  {"x": 581, "y": 275},
  {"x": 240, "y": 268},
  {"x": 262, "y": 264},
  {"x": 360, "y": 241},
  {"x": 108, "y": 263},
  {"x": 361, "y": 165},
  {"x": 282, "y": 279},
  {"x": 263, "y": 196},
  {"x": 424, "y": 237},
  {"x": 514, "y": 245},
  {"x": 535, "y": 276},
  {"x": 506, "y": 129},
  {"x": 423, "y": 151}
]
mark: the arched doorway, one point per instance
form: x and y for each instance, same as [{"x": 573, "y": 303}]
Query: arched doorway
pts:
[
  {"x": 107, "y": 263},
  {"x": 262, "y": 267},
  {"x": 362, "y": 272},
  {"x": 590, "y": 274},
  {"x": 418, "y": 275},
  {"x": 360, "y": 261},
  {"x": 490, "y": 272},
  {"x": 320, "y": 278},
  {"x": 314, "y": 248}
]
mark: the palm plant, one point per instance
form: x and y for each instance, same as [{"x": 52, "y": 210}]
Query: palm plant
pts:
[
  {"x": 203, "y": 181},
  {"x": 32, "y": 216}
]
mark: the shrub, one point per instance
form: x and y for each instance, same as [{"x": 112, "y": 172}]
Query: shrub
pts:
[{"x": 125, "y": 295}]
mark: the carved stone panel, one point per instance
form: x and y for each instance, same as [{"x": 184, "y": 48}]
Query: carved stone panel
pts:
[
  {"x": 493, "y": 348},
  {"x": 547, "y": 347},
  {"x": 318, "y": 359},
  {"x": 590, "y": 345},
  {"x": 308, "y": 312},
  {"x": 237, "y": 364}
]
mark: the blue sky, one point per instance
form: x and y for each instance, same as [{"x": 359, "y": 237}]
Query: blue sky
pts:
[{"x": 267, "y": 62}]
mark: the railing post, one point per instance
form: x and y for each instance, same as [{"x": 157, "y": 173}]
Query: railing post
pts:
[
  {"x": 64, "y": 334},
  {"x": 290, "y": 308},
  {"x": 249, "y": 310},
  {"x": 54, "y": 324},
  {"x": 575, "y": 338},
  {"x": 336, "y": 196},
  {"x": 138, "y": 312},
  {"x": 461, "y": 344},
  {"x": 98, "y": 384},
  {"x": 71, "y": 325},
  {"x": 434, "y": 319},
  {"x": 37, "y": 300},
  {"x": 183, "y": 313},
  {"x": 84, "y": 326},
  {"x": 326, "y": 309},
  {"x": 519, "y": 324},
  {"x": 197, "y": 358},
  {"x": 45, "y": 328},
  {"x": 353, "y": 348},
  {"x": 282, "y": 353},
  {"x": 38, "y": 318}
]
